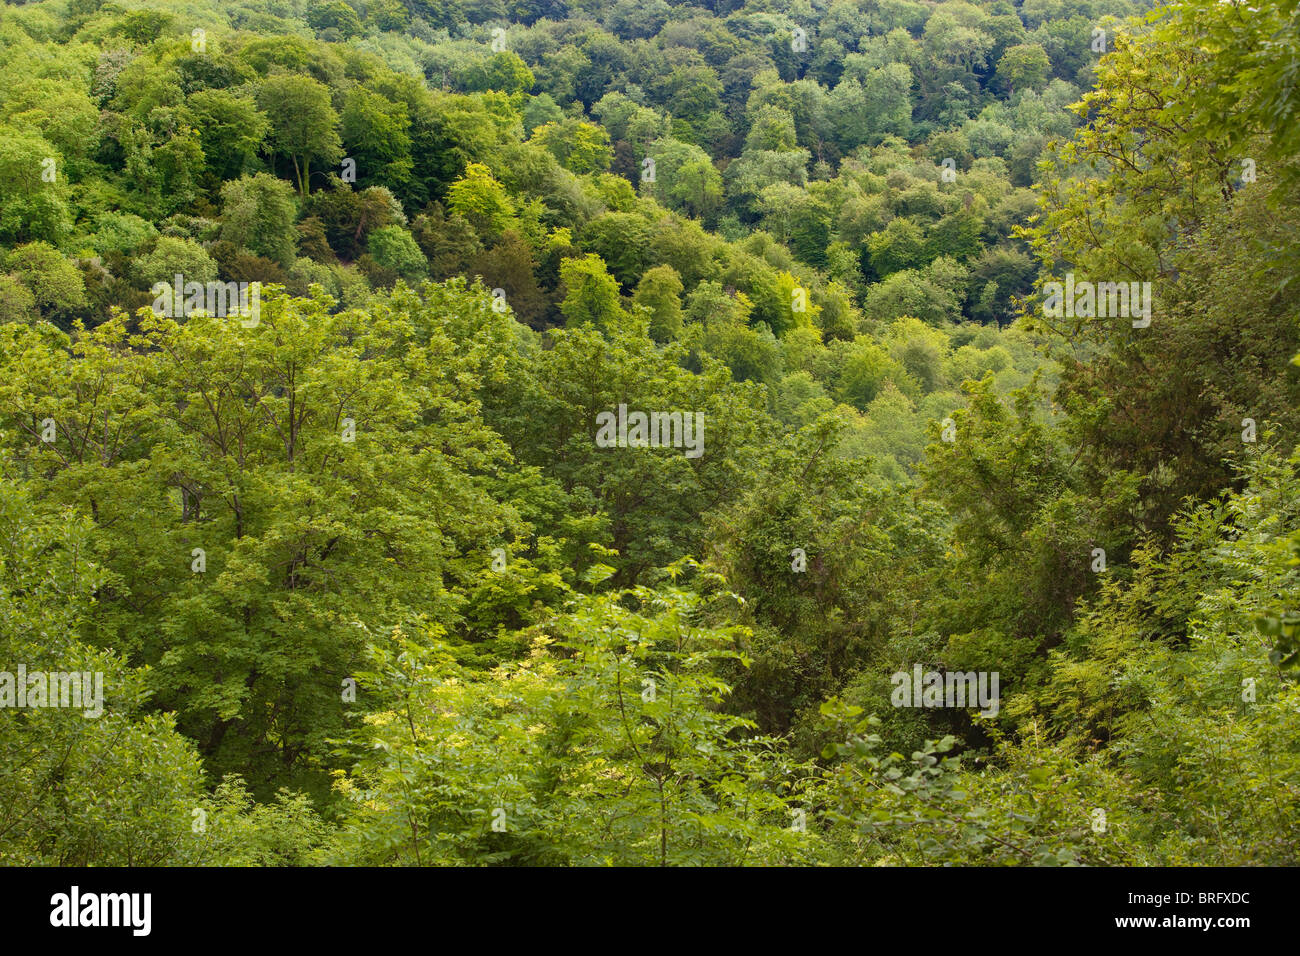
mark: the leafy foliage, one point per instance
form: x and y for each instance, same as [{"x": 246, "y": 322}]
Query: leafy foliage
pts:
[{"x": 364, "y": 588}]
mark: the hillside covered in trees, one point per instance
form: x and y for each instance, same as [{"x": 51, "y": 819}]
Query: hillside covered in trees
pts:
[{"x": 530, "y": 432}]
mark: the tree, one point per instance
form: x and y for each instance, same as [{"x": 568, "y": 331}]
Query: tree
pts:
[
  {"x": 258, "y": 213},
  {"x": 266, "y": 490},
  {"x": 231, "y": 130},
  {"x": 448, "y": 242},
  {"x": 55, "y": 285},
  {"x": 17, "y": 304},
  {"x": 1021, "y": 507},
  {"x": 1167, "y": 184},
  {"x": 685, "y": 178},
  {"x": 771, "y": 128},
  {"x": 921, "y": 350},
  {"x": 864, "y": 368},
  {"x": 145, "y": 26},
  {"x": 303, "y": 122},
  {"x": 480, "y": 199},
  {"x": 375, "y": 134},
  {"x": 749, "y": 354},
  {"x": 887, "y": 92},
  {"x": 1024, "y": 67},
  {"x": 504, "y": 72},
  {"x": 622, "y": 240},
  {"x": 547, "y": 415},
  {"x": 580, "y": 147},
  {"x": 626, "y": 120},
  {"x": 694, "y": 187},
  {"x": 387, "y": 14},
  {"x": 347, "y": 217},
  {"x": 610, "y": 751},
  {"x": 395, "y": 250},
  {"x": 58, "y": 110},
  {"x": 900, "y": 245},
  {"x": 510, "y": 265},
  {"x": 334, "y": 15},
  {"x": 542, "y": 109},
  {"x": 590, "y": 294},
  {"x": 859, "y": 548},
  {"x": 170, "y": 257},
  {"x": 62, "y": 764},
  {"x": 749, "y": 175},
  {"x": 959, "y": 48},
  {"x": 32, "y": 204},
  {"x": 1243, "y": 89},
  {"x": 915, "y": 293},
  {"x": 660, "y": 291}
]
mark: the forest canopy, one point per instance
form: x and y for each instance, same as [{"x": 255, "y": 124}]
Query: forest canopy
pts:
[{"x": 530, "y": 432}]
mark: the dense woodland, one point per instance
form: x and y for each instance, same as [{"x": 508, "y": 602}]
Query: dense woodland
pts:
[{"x": 366, "y": 590}]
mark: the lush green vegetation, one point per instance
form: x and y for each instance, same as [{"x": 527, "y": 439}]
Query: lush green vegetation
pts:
[{"x": 366, "y": 588}]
